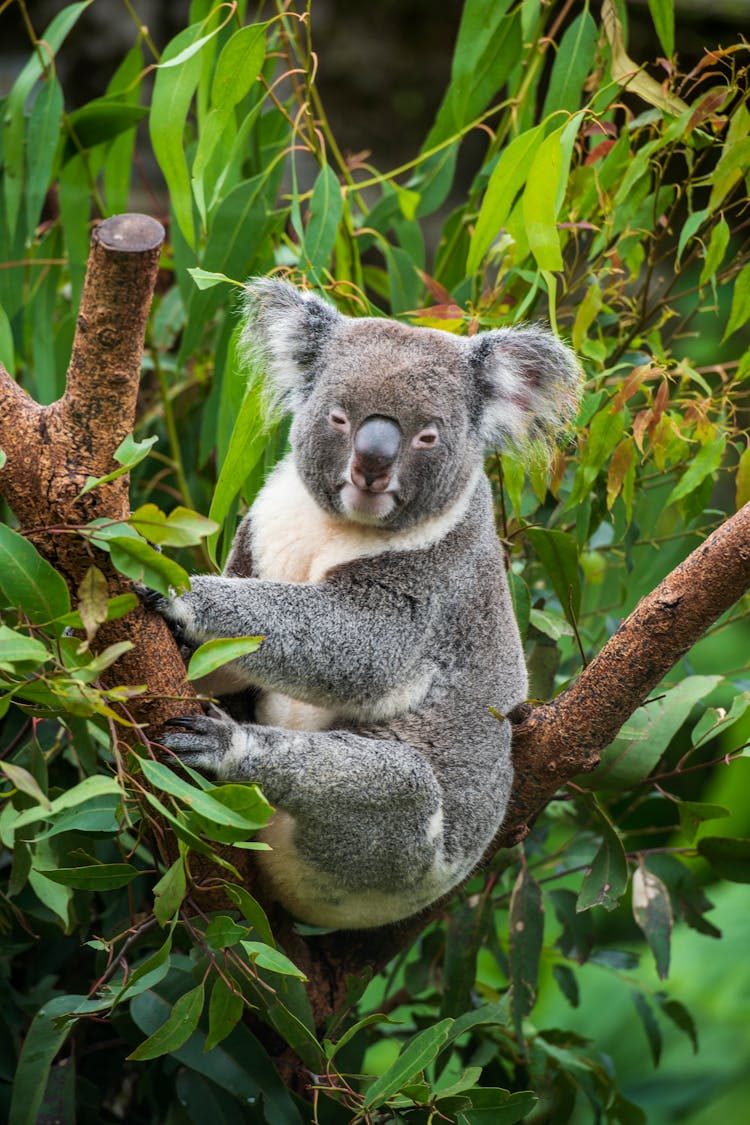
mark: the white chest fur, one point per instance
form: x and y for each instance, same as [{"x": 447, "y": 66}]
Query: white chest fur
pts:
[{"x": 294, "y": 540}]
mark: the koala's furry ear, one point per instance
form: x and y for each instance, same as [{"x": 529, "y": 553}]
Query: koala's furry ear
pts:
[
  {"x": 529, "y": 385},
  {"x": 285, "y": 333}
]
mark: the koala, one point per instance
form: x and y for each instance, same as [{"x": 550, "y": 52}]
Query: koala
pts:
[{"x": 371, "y": 566}]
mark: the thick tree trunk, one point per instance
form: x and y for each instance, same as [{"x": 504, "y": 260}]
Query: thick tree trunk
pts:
[{"x": 52, "y": 450}]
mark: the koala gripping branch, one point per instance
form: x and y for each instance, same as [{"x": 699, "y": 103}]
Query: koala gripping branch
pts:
[
  {"x": 557, "y": 740},
  {"x": 51, "y": 450}
]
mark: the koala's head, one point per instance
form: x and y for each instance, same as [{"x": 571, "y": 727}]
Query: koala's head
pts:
[{"x": 390, "y": 422}]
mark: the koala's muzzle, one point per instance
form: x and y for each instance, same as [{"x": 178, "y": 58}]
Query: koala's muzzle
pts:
[{"x": 376, "y": 445}]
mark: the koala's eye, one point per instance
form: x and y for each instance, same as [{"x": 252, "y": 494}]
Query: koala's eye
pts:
[
  {"x": 339, "y": 421},
  {"x": 427, "y": 438}
]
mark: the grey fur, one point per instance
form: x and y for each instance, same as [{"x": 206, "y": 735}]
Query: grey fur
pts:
[{"x": 389, "y": 614}]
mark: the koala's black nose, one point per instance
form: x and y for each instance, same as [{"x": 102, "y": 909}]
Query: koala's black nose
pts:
[{"x": 376, "y": 446}]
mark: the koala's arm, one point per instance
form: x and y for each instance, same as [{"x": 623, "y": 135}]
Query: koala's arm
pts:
[{"x": 325, "y": 643}]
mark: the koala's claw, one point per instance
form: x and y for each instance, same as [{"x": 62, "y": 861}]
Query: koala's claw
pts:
[
  {"x": 158, "y": 603},
  {"x": 199, "y": 740},
  {"x": 189, "y": 722},
  {"x": 152, "y": 599}
]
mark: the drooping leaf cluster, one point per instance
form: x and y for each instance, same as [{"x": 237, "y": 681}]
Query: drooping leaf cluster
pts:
[{"x": 611, "y": 201}]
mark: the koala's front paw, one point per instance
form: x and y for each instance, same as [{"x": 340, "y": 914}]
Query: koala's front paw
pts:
[
  {"x": 202, "y": 741},
  {"x": 173, "y": 611},
  {"x": 151, "y": 599}
]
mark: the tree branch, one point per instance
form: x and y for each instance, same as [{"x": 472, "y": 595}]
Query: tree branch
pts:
[
  {"x": 557, "y": 740},
  {"x": 51, "y": 450}
]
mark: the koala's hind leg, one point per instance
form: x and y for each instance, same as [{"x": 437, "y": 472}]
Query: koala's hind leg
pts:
[{"x": 358, "y": 841}]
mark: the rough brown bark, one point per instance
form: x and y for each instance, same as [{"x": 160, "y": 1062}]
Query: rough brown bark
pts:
[{"x": 51, "y": 450}]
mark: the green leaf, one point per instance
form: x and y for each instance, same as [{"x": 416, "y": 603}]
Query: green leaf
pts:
[
  {"x": 567, "y": 983},
  {"x": 680, "y": 1017},
  {"x": 605, "y": 432},
  {"x": 539, "y": 197},
  {"x": 558, "y": 554},
  {"x": 487, "y": 48},
  {"x": 95, "y": 877},
  {"x": 92, "y": 601},
  {"x": 238, "y": 1065},
  {"x": 181, "y": 824},
  {"x": 586, "y": 314},
  {"x": 418, "y": 1053},
  {"x": 251, "y": 910},
  {"x": 544, "y": 192},
  {"x": 662, "y": 13},
  {"x": 7, "y": 355},
  {"x": 740, "y": 311},
  {"x": 269, "y": 958},
  {"x": 105, "y": 659},
  {"x": 326, "y": 209},
  {"x": 572, "y": 65},
  {"x": 16, "y": 649},
  {"x": 299, "y": 1037},
  {"x": 202, "y": 802},
  {"x": 716, "y": 249},
  {"x": 116, "y": 607},
  {"x": 214, "y": 654},
  {"x": 15, "y": 105},
  {"x": 652, "y": 911},
  {"x": 25, "y": 782},
  {"x": 734, "y": 163},
  {"x": 692, "y": 224},
  {"x": 222, "y": 932},
  {"x": 224, "y": 1012},
  {"x": 506, "y": 181},
  {"x": 181, "y": 528},
  {"x": 332, "y": 1049},
  {"x": 466, "y": 931},
  {"x": 169, "y": 892},
  {"x": 552, "y": 625},
  {"x": 133, "y": 557},
  {"x": 649, "y": 731},
  {"x": 176, "y": 80},
  {"x": 521, "y": 598},
  {"x": 650, "y": 1026},
  {"x": 42, "y": 134},
  {"x": 605, "y": 881},
  {"x": 205, "y": 279},
  {"x": 729, "y": 856},
  {"x": 494, "y": 1106},
  {"x": 128, "y": 454},
  {"x": 97, "y": 815},
  {"x": 577, "y": 937},
  {"x": 98, "y": 121},
  {"x": 238, "y": 67},
  {"x": 526, "y": 934},
  {"x": 56, "y": 898},
  {"x": 81, "y": 793},
  {"x": 28, "y": 580},
  {"x": 176, "y": 1029},
  {"x": 695, "y": 813},
  {"x": 242, "y": 798},
  {"x": 146, "y": 975},
  {"x": 41, "y": 1044},
  {"x": 246, "y": 447}
]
